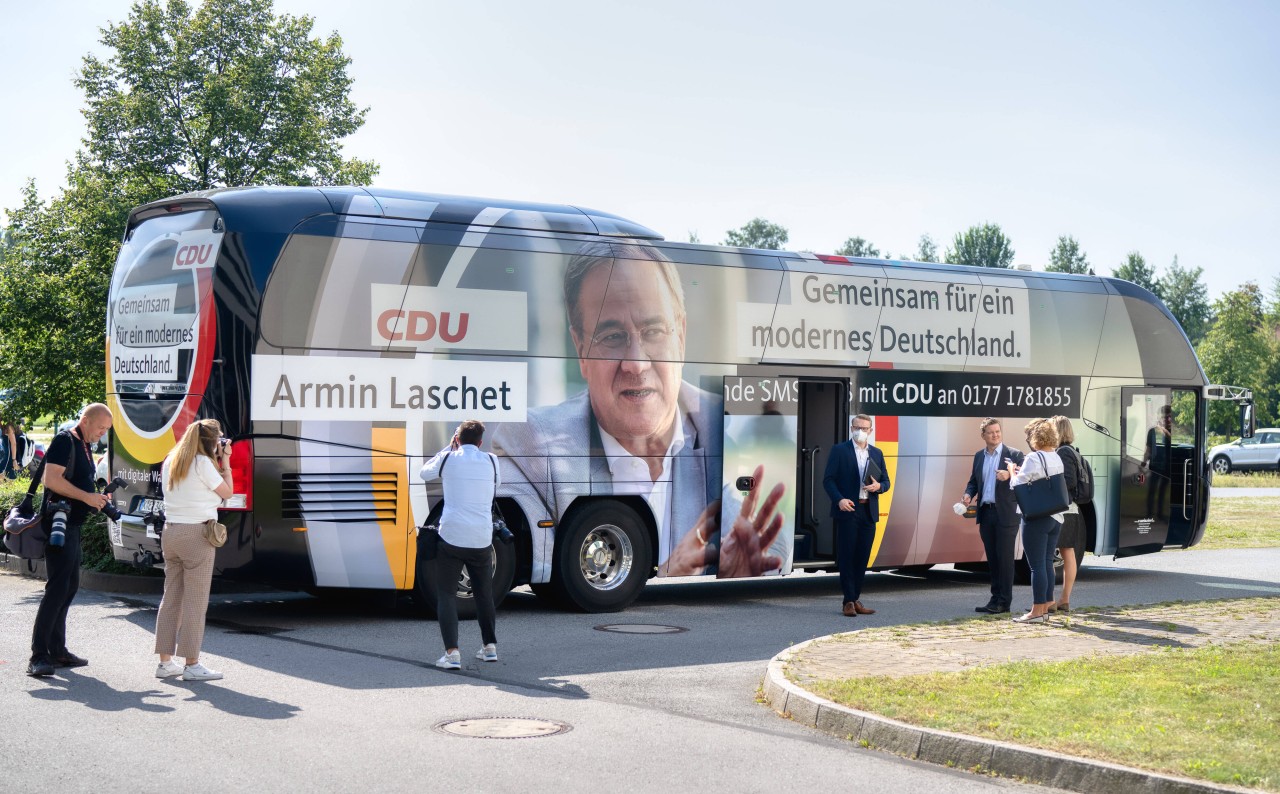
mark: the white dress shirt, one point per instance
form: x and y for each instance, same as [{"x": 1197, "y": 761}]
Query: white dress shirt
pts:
[
  {"x": 631, "y": 476},
  {"x": 470, "y": 480}
]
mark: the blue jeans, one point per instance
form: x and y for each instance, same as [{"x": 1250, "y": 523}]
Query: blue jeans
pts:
[{"x": 1039, "y": 541}]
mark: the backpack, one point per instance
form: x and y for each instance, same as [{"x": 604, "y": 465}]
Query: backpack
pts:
[{"x": 1084, "y": 478}]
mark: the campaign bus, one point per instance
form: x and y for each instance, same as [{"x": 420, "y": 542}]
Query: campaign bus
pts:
[{"x": 657, "y": 408}]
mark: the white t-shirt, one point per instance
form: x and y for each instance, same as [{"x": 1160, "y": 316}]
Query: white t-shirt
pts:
[{"x": 192, "y": 501}]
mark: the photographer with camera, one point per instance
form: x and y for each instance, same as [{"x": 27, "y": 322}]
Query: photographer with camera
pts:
[
  {"x": 470, "y": 480},
  {"x": 68, "y": 497},
  {"x": 196, "y": 477}
]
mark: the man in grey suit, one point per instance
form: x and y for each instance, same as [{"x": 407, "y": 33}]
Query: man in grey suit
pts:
[
  {"x": 638, "y": 428},
  {"x": 998, "y": 517}
]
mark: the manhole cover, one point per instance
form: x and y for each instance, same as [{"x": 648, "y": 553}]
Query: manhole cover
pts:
[
  {"x": 640, "y": 628},
  {"x": 503, "y": 728}
]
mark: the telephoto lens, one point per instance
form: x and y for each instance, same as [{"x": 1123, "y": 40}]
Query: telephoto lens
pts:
[{"x": 58, "y": 524}]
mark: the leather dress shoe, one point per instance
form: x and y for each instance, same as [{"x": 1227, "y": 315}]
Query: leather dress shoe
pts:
[
  {"x": 41, "y": 669},
  {"x": 988, "y": 608},
  {"x": 861, "y": 610},
  {"x": 69, "y": 659},
  {"x": 999, "y": 609},
  {"x": 849, "y": 610}
]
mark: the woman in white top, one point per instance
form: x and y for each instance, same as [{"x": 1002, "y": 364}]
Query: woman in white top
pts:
[
  {"x": 1039, "y": 535},
  {"x": 196, "y": 477}
]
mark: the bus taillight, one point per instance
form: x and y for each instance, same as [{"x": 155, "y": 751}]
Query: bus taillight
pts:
[{"x": 241, "y": 476}]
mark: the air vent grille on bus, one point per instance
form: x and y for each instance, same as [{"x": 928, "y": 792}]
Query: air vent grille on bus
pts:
[{"x": 340, "y": 497}]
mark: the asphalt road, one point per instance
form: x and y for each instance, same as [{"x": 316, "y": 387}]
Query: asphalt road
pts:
[{"x": 336, "y": 696}]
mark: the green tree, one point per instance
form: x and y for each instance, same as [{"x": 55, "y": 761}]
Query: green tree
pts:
[
  {"x": 1136, "y": 269},
  {"x": 758, "y": 233},
  {"x": 1066, "y": 257},
  {"x": 1238, "y": 351},
  {"x": 856, "y": 246},
  {"x": 227, "y": 94},
  {"x": 224, "y": 95},
  {"x": 1186, "y": 295},
  {"x": 982, "y": 246},
  {"x": 926, "y": 249}
]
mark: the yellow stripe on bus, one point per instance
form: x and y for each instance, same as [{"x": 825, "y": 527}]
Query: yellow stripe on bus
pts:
[
  {"x": 890, "y": 450},
  {"x": 389, "y": 458}
]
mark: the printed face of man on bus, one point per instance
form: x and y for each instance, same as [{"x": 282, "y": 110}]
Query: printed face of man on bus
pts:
[{"x": 629, "y": 330}]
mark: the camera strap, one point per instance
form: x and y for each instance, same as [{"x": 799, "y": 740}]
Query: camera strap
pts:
[{"x": 493, "y": 461}]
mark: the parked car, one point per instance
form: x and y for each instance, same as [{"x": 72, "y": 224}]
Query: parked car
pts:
[{"x": 1260, "y": 452}]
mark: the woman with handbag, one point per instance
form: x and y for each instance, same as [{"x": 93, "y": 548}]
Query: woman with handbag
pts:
[
  {"x": 1071, "y": 540},
  {"x": 196, "y": 477},
  {"x": 1039, "y": 533}
]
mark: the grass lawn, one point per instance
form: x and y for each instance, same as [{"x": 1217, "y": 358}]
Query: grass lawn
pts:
[
  {"x": 1242, "y": 523},
  {"x": 1247, "y": 479},
  {"x": 1208, "y": 713}
]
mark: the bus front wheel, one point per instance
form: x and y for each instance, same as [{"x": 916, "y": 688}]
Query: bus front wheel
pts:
[
  {"x": 503, "y": 567},
  {"x": 603, "y": 557}
]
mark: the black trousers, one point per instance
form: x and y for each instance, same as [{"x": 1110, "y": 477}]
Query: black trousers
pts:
[
  {"x": 998, "y": 541},
  {"x": 855, "y": 535},
  {"x": 49, "y": 637},
  {"x": 450, "y": 560}
]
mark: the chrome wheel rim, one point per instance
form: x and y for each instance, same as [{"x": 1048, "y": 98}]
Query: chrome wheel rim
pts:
[
  {"x": 1221, "y": 466},
  {"x": 606, "y": 557}
]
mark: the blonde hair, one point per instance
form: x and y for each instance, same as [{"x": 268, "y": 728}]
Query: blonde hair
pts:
[
  {"x": 1066, "y": 435},
  {"x": 1042, "y": 434},
  {"x": 201, "y": 438}
]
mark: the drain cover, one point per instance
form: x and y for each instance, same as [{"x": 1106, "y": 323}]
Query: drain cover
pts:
[
  {"x": 640, "y": 628},
  {"x": 503, "y": 728}
]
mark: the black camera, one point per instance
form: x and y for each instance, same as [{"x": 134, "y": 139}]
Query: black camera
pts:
[
  {"x": 501, "y": 533},
  {"x": 58, "y": 512},
  {"x": 109, "y": 509}
]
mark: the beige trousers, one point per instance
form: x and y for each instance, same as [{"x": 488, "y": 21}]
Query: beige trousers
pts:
[{"x": 188, "y": 573}]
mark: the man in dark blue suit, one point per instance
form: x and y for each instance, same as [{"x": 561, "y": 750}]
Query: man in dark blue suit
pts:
[
  {"x": 998, "y": 517},
  {"x": 856, "y": 476}
]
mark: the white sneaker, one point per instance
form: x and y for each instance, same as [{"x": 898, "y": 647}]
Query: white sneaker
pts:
[
  {"x": 169, "y": 669},
  {"x": 450, "y": 661},
  {"x": 198, "y": 672},
  {"x": 488, "y": 653}
]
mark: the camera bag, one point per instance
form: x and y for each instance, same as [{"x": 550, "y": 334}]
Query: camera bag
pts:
[{"x": 25, "y": 533}]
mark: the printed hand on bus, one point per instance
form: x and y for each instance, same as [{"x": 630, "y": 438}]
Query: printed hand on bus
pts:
[
  {"x": 744, "y": 551},
  {"x": 695, "y": 551}
]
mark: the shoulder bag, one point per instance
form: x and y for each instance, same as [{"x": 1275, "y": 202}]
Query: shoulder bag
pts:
[
  {"x": 1043, "y": 497},
  {"x": 25, "y": 533}
]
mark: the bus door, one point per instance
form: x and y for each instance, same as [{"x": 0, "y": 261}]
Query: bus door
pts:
[
  {"x": 1159, "y": 485},
  {"x": 760, "y": 439},
  {"x": 824, "y": 422}
]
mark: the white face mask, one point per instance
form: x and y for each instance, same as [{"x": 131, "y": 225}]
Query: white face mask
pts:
[{"x": 860, "y": 436}]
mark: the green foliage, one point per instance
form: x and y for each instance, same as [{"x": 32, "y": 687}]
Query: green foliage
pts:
[
  {"x": 1066, "y": 257},
  {"x": 1186, "y": 295},
  {"x": 229, "y": 94},
  {"x": 856, "y": 246},
  {"x": 1135, "y": 269},
  {"x": 758, "y": 233},
  {"x": 981, "y": 246},
  {"x": 926, "y": 249},
  {"x": 1238, "y": 350}
]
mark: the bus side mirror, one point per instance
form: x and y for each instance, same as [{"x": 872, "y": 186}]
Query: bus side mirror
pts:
[{"x": 1246, "y": 420}]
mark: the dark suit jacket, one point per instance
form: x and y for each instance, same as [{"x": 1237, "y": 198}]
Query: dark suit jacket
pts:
[
  {"x": 842, "y": 481},
  {"x": 1006, "y": 503}
]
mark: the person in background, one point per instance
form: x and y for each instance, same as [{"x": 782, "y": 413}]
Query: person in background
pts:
[
  {"x": 1071, "y": 540},
  {"x": 856, "y": 475},
  {"x": 997, "y": 514},
  {"x": 68, "y": 476},
  {"x": 196, "y": 477},
  {"x": 8, "y": 452},
  {"x": 1039, "y": 535},
  {"x": 1155, "y": 462},
  {"x": 470, "y": 479}
]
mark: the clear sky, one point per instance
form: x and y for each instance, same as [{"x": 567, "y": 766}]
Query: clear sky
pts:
[{"x": 1148, "y": 126}]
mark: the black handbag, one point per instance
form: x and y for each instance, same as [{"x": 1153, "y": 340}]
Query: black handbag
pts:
[{"x": 1043, "y": 497}]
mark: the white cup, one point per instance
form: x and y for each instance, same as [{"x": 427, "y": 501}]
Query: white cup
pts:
[{"x": 959, "y": 508}]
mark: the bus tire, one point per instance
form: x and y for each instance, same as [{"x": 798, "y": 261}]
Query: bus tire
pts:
[
  {"x": 602, "y": 559},
  {"x": 504, "y": 571}
]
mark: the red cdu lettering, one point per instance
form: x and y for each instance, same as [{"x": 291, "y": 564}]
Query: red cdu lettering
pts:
[
  {"x": 422, "y": 326},
  {"x": 384, "y": 324},
  {"x": 459, "y": 333}
]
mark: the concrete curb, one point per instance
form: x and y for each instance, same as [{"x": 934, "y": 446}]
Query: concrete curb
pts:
[
  {"x": 959, "y": 750},
  {"x": 118, "y": 584}
]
